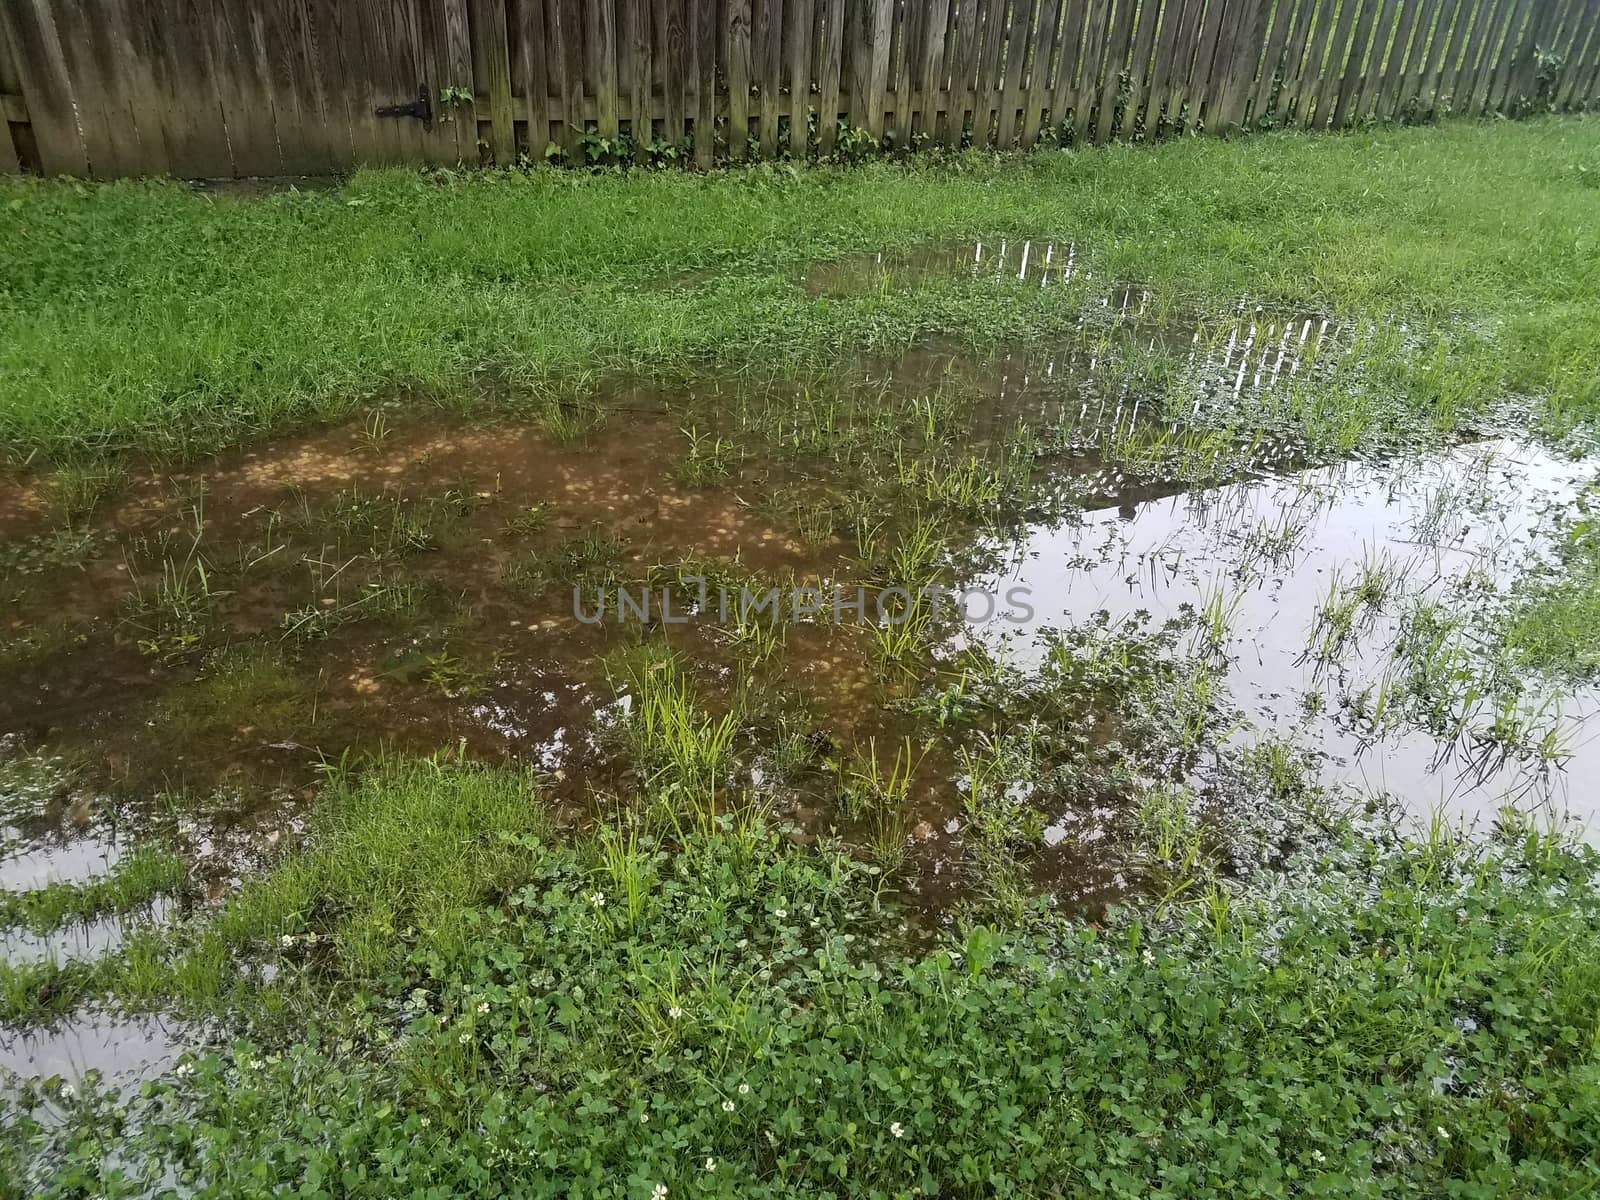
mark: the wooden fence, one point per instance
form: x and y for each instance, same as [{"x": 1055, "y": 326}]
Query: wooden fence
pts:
[{"x": 214, "y": 88}]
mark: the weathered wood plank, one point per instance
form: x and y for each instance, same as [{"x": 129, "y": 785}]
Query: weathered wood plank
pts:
[
  {"x": 93, "y": 66},
  {"x": 1047, "y": 29},
  {"x": 1365, "y": 55},
  {"x": 1088, "y": 85},
  {"x": 1176, "y": 14},
  {"x": 1141, "y": 62},
  {"x": 738, "y": 26},
  {"x": 1442, "y": 99},
  {"x": 691, "y": 43},
  {"x": 676, "y": 92},
  {"x": 1331, "y": 77},
  {"x": 534, "y": 49},
  {"x": 767, "y": 23},
  {"x": 800, "y": 17},
  {"x": 42, "y": 71},
  {"x": 897, "y": 79},
  {"x": 1581, "y": 63},
  {"x": 602, "y": 40},
  {"x": 1247, "y": 45},
  {"x": 1119, "y": 40},
  {"x": 10, "y": 157},
  {"x": 1403, "y": 50},
  {"x": 492, "y": 49},
  {"x": 831, "y": 21},
  {"x": 1205, "y": 84},
  {"x": 1475, "y": 62},
  {"x": 1269, "y": 74},
  {"x": 1517, "y": 41},
  {"x": 564, "y": 28},
  {"x": 986, "y": 94},
  {"x": 964, "y": 79},
  {"x": 1015, "y": 59}
]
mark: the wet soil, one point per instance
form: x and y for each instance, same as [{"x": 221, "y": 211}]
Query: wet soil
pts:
[{"x": 199, "y": 646}]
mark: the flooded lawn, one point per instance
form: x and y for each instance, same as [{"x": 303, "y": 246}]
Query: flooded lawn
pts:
[{"x": 1008, "y": 607}]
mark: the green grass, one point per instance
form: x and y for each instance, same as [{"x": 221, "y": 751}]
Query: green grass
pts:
[
  {"x": 145, "y": 316},
  {"x": 1380, "y": 1017}
]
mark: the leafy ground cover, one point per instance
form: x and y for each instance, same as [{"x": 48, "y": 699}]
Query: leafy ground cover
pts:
[{"x": 732, "y": 1015}]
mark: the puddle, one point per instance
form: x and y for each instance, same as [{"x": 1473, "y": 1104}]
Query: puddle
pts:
[
  {"x": 1044, "y": 261},
  {"x": 67, "y": 862},
  {"x": 121, "y": 1049},
  {"x": 1268, "y": 554},
  {"x": 402, "y": 582},
  {"x": 80, "y": 941}
]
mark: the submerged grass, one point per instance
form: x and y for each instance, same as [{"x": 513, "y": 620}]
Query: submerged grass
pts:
[
  {"x": 145, "y": 316},
  {"x": 132, "y": 883}
]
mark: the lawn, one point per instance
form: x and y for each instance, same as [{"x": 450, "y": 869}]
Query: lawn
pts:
[{"x": 445, "y": 890}]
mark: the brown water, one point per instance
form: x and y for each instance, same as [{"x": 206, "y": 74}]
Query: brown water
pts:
[{"x": 403, "y": 583}]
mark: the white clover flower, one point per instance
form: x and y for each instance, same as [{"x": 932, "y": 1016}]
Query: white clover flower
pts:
[
  {"x": 711, "y": 1164},
  {"x": 644, "y": 1118},
  {"x": 1319, "y": 1156},
  {"x": 744, "y": 1089},
  {"x": 674, "y": 1012},
  {"x": 463, "y": 1039},
  {"x": 68, "y": 1091},
  {"x": 483, "y": 1007},
  {"x": 659, "y": 1192},
  {"x": 727, "y": 1106},
  {"x": 896, "y": 1129},
  {"x": 184, "y": 1070},
  {"x": 598, "y": 899},
  {"x": 286, "y": 940},
  {"x": 426, "y": 1122},
  {"x": 1444, "y": 1133}
]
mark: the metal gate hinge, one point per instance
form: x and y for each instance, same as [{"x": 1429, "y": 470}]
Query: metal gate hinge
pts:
[{"x": 421, "y": 108}]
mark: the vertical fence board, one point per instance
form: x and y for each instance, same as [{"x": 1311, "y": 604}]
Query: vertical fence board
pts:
[
  {"x": 1576, "y": 73},
  {"x": 1088, "y": 85},
  {"x": 1495, "y": 77},
  {"x": 46, "y": 87},
  {"x": 831, "y": 21},
  {"x": 1442, "y": 92},
  {"x": 491, "y": 38},
  {"x": 768, "y": 33},
  {"x": 1485, "y": 27},
  {"x": 1408, "y": 37},
  {"x": 1248, "y": 45},
  {"x": 799, "y": 18},
  {"x": 1297, "y": 68},
  {"x": 1262, "y": 90},
  {"x": 1161, "y": 70},
  {"x": 738, "y": 44},
  {"x": 1141, "y": 62},
  {"x": 1044, "y": 46},
  {"x": 1015, "y": 57},
  {"x": 696, "y": 27},
  {"x": 531, "y": 45},
  {"x": 669, "y": 65},
  {"x": 1118, "y": 44},
  {"x": 1443, "y": 22},
  {"x": 964, "y": 80},
  {"x": 1345, "y": 105}
]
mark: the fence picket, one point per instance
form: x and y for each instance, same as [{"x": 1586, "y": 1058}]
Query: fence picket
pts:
[{"x": 222, "y": 87}]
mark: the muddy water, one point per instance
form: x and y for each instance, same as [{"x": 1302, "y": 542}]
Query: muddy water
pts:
[
  {"x": 1453, "y": 528},
  {"x": 402, "y": 583}
]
